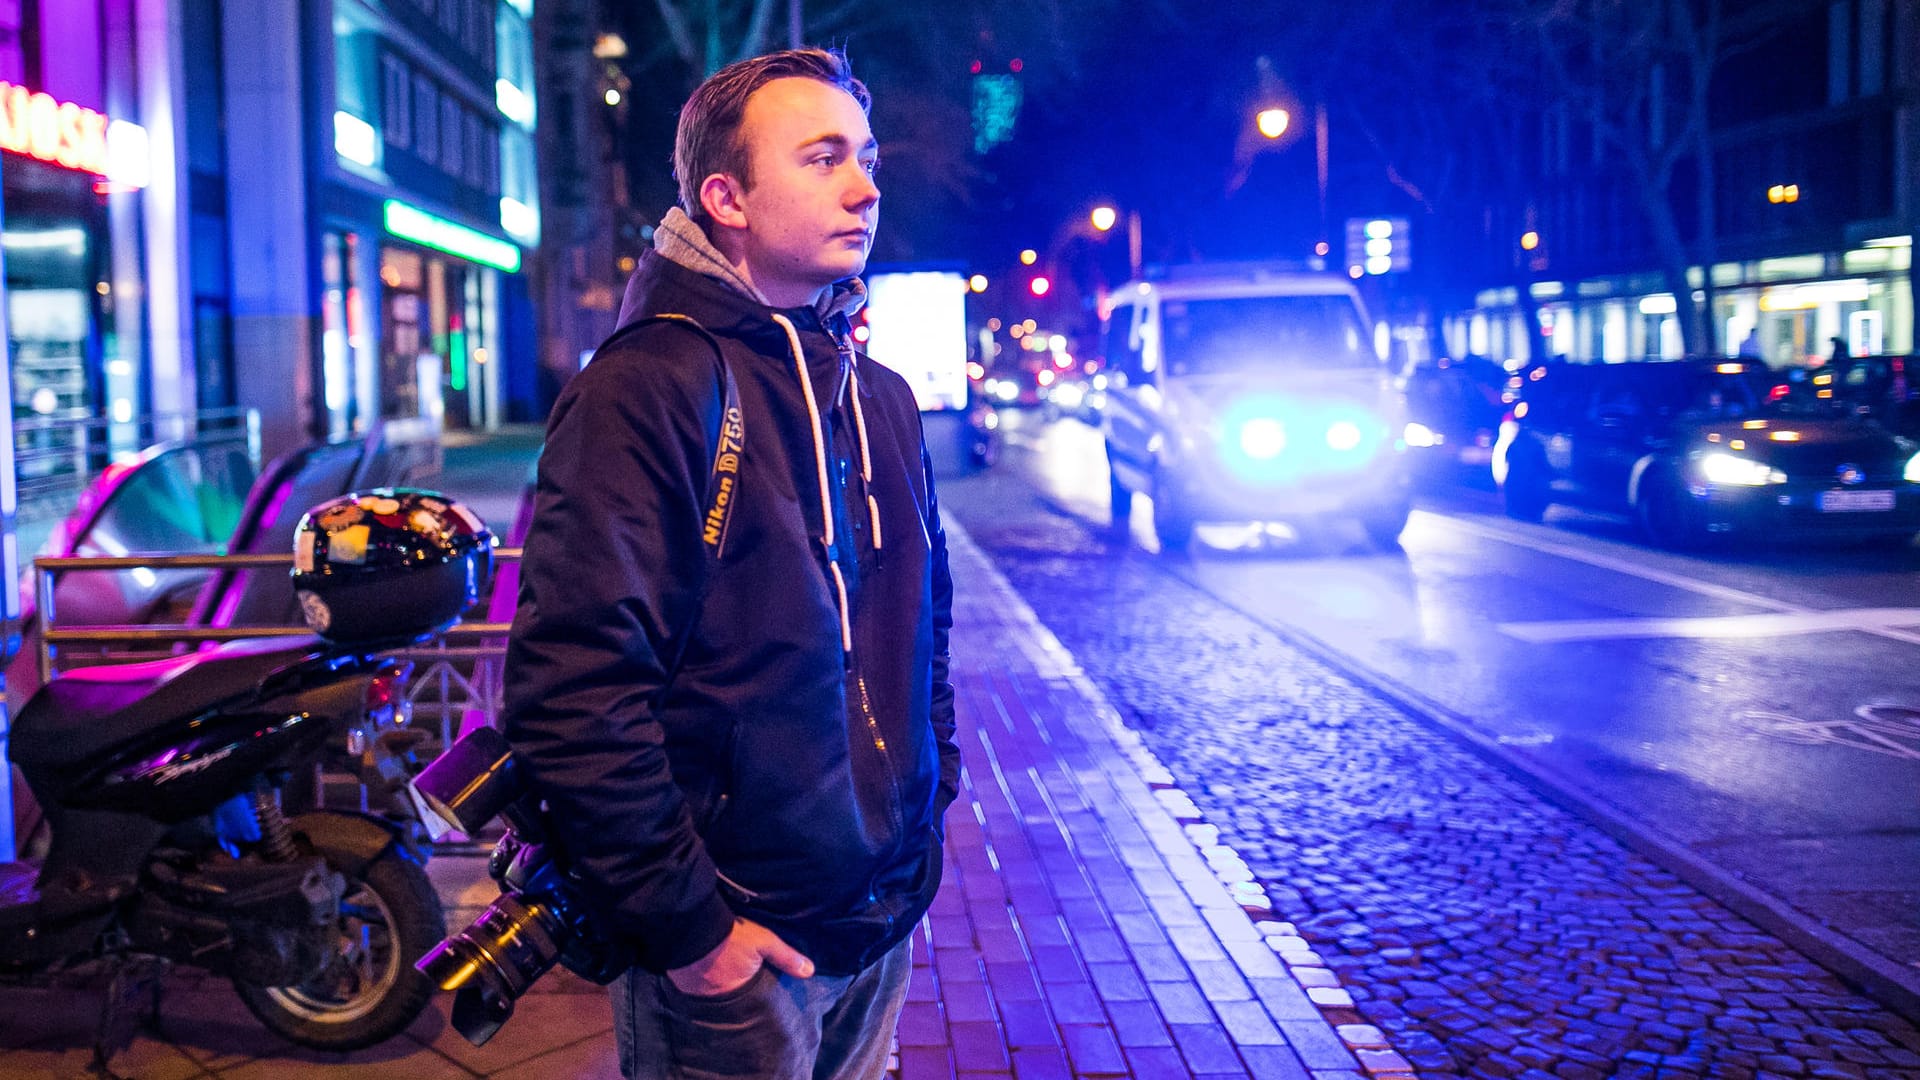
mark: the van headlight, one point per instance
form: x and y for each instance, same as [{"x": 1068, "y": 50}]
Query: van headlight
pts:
[
  {"x": 1343, "y": 435},
  {"x": 1733, "y": 471},
  {"x": 1913, "y": 469},
  {"x": 1418, "y": 434},
  {"x": 1262, "y": 438}
]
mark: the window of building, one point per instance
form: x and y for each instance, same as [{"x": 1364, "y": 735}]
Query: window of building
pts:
[
  {"x": 475, "y": 135},
  {"x": 1839, "y": 51},
  {"x": 354, "y": 78},
  {"x": 452, "y": 133},
  {"x": 516, "y": 50},
  {"x": 1874, "y": 46},
  {"x": 426, "y": 115},
  {"x": 396, "y": 115},
  {"x": 518, "y": 180}
]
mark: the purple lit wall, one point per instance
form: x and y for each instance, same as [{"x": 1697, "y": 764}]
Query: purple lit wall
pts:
[{"x": 70, "y": 60}]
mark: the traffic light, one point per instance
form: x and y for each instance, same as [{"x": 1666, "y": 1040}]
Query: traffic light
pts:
[{"x": 1377, "y": 246}]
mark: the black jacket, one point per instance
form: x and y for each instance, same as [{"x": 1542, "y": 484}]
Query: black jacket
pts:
[{"x": 777, "y": 774}]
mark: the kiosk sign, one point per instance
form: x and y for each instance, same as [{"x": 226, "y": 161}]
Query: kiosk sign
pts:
[{"x": 71, "y": 136}]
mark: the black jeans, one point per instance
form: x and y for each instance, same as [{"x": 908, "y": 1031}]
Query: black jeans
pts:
[{"x": 775, "y": 1027}]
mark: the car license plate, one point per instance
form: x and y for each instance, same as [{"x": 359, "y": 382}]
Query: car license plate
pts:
[{"x": 1853, "y": 502}]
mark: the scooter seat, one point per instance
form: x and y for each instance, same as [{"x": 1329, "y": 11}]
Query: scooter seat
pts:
[{"x": 91, "y": 709}]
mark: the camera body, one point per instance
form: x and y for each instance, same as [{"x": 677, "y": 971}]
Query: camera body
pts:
[{"x": 538, "y": 919}]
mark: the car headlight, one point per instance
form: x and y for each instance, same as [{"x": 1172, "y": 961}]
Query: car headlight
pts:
[
  {"x": 1418, "y": 434},
  {"x": 1262, "y": 438},
  {"x": 1913, "y": 469},
  {"x": 1343, "y": 435},
  {"x": 1738, "y": 471}
]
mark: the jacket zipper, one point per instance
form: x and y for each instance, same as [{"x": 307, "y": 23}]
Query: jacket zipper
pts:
[
  {"x": 880, "y": 744},
  {"x": 895, "y": 801},
  {"x": 893, "y": 785}
]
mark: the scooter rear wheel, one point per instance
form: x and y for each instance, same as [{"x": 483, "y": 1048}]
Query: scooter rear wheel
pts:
[{"x": 389, "y": 918}]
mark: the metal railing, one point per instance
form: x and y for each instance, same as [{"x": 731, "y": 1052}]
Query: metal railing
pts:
[
  {"x": 55, "y": 458},
  {"x": 455, "y": 673}
]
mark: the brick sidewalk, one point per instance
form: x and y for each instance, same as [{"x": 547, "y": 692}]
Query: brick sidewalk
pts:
[
  {"x": 1080, "y": 932},
  {"x": 1085, "y": 929}
]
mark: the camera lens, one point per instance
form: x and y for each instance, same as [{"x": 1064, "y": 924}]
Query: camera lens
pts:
[{"x": 510, "y": 945}]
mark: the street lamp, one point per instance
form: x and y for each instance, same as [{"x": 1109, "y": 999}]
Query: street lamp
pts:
[
  {"x": 1272, "y": 122},
  {"x": 1103, "y": 218}
]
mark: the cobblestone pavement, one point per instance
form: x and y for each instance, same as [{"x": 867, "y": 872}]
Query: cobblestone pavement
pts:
[{"x": 1485, "y": 931}]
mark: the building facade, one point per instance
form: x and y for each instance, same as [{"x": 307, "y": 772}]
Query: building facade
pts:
[
  {"x": 1816, "y": 202},
  {"x": 95, "y": 292},
  {"x": 373, "y": 168}
]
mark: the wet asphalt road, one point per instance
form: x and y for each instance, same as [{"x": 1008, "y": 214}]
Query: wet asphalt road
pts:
[{"x": 1486, "y": 930}]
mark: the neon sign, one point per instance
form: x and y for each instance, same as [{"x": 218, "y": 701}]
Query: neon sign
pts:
[
  {"x": 72, "y": 136},
  {"x": 409, "y": 223}
]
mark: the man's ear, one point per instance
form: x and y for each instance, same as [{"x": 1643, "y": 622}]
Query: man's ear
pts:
[{"x": 723, "y": 198}]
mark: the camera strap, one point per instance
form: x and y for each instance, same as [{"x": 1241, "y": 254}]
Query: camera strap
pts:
[{"x": 723, "y": 478}]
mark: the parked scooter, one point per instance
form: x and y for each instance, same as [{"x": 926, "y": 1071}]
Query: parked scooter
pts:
[{"x": 163, "y": 781}]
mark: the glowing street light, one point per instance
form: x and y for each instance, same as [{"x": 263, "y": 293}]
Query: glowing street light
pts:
[
  {"x": 1029, "y": 257},
  {"x": 1529, "y": 240},
  {"x": 1272, "y": 122},
  {"x": 977, "y": 283},
  {"x": 1103, "y": 217}
]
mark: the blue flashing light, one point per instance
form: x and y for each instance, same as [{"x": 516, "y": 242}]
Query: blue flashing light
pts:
[
  {"x": 1344, "y": 435},
  {"x": 1272, "y": 440},
  {"x": 1262, "y": 438}
]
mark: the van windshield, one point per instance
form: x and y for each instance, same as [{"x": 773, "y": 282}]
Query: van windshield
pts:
[{"x": 1264, "y": 333}]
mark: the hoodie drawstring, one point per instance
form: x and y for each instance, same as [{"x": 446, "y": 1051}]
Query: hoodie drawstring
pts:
[
  {"x": 866, "y": 457},
  {"x": 820, "y": 461}
]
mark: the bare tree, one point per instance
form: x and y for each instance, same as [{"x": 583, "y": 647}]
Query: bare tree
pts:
[
  {"x": 1446, "y": 120},
  {"x": 1638, "y": 71},
  {"x": 708, "y": 35}
]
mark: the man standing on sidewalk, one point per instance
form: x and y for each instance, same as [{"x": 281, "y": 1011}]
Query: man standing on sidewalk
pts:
[{"x": 728, "y": 671}]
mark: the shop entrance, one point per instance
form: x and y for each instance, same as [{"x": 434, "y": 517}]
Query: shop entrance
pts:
[{"x": 432, "y": 349}]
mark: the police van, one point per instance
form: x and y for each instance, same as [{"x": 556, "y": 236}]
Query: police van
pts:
[{"x": 1250, "y": 394}]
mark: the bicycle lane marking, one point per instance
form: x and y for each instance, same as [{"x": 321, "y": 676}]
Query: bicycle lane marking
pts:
[{"x": 1893, "y": 730}]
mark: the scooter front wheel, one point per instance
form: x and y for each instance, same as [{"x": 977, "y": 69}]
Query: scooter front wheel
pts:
[{"x": 369, "y": 991}]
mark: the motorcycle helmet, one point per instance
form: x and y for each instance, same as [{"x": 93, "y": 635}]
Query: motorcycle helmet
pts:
[{"x": 389, "y": 564}]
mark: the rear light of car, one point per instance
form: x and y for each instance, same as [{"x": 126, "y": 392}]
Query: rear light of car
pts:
[{"x": 387, "y": 703}]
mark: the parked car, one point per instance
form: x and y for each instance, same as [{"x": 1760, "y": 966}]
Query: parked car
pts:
[
  {"x": 1692, "y": 449},
  {"x": 1875, "y": 386},
  {"x": 1250, "y": 395},
  {"x": 1453, "y": 413}
]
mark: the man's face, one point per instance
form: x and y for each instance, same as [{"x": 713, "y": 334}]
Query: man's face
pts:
[{"x": 812, "y": 206}]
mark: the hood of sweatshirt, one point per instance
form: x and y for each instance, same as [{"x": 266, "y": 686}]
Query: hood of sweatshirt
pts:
[{"x": 681, "y": 242}]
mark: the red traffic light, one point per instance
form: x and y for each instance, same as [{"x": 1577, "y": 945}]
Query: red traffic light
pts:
[{"x": 1039, "y": 285}]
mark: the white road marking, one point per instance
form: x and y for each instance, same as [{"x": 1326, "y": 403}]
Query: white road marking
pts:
[
  {"x": 1714, "y": 626},
  {"x": 1861, "y": 620}
]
